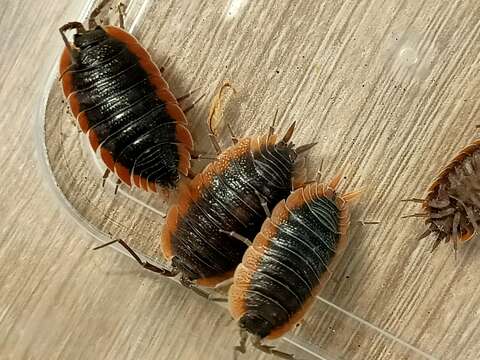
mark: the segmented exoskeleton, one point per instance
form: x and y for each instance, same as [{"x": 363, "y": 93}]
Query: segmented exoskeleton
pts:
[
  {"x": 289, "y": 263},
  {"x": 452, "y": 205},
  {"x": 124, "y": 105},
  {"x": 204, "y": 236}
]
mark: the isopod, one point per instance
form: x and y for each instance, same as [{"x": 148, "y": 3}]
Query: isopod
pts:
[
  {"x": 289, "y": 262},
  {"x": 207, "y": 232},
  {"x": 452, "y": 206},
  {"x": 124, "y": 105}
]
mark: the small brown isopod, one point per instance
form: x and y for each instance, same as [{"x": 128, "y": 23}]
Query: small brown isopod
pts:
[{"x": 452, "y": 205}]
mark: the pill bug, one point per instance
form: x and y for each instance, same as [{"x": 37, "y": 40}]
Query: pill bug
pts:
[
  {"x": 122, "y": 102},
  {"x": 452, "y": 206},
  {"x": 205, "y": 232},
  {"x": 288, "y": 263}
]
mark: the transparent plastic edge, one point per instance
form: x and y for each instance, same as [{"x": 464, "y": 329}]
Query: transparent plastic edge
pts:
[{"x": 385, "y": 333}]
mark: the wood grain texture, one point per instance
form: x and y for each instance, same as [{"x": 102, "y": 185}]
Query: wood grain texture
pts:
[{"x": 388, "y": 88}]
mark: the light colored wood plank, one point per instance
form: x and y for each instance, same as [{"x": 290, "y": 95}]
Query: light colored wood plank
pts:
[{"x": 391, "y": 91}]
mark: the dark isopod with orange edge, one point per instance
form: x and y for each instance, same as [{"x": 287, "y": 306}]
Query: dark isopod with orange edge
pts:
[
  {"x": 452, "y": 205},
  {"x": 207, "y": 232},
  {"x": 289, "y": 262},
  {"x": 122, "y": 102}
]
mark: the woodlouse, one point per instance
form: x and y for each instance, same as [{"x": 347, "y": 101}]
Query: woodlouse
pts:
[
  {"x": 120, "y": 99},
  {"x": 289, "y": 262},
  {"x": 452, "y": 205},
  {"x": 205, "y": 233}
]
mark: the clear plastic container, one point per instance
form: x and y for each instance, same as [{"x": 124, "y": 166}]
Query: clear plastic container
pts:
[{"x": 371, "y": 308}]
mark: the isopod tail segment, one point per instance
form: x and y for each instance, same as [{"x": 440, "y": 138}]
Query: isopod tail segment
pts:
[
  {"x": 261, "y": 275},
  {"x": 132, "y": 163},
  {"x": 451, "y": 208}
]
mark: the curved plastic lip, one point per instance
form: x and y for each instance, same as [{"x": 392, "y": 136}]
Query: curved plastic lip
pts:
[{"x": 49, "y": 179}]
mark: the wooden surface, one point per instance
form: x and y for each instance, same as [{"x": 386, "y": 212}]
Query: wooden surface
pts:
[{"x": 390, "y": 89}]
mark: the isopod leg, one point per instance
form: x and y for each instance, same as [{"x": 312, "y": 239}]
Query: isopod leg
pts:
[
  {"x": 242, "y": 346},
  {"x": 256, "y": 341},
  {"x": 187, "y": 109},
  {"x": 232, "y": 134},
  {"x": 368, "y": 222},
  {"x": 424, "y": 234},
  {"x": 117, "y": 184},
  {"x": 224, "y": 283},
  {"x": 91, "y": 20},
  {"x": 318, "y": 176},
  {"x": 455, "y": 231},
  {"x": 271, "y": 130},
  {"x": 415, "y": 200},
  {"x": 187, "y": 95},
  {"x": 190, "y": 285},
  {"x": 420, "y": 215},
  {"x": 144, "y": 264},
  {"x": 165, "y": 64},
  {"x": 191, "y": 174},
  {"x": 215, "y": 143},
  {"x": 105, "y": 176},
  {"x": 263, "y": 202},
  {"x": 237, "y": 236},
  {"x": 121, "y": 15},
  {"x": 200, "y": 156}
]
